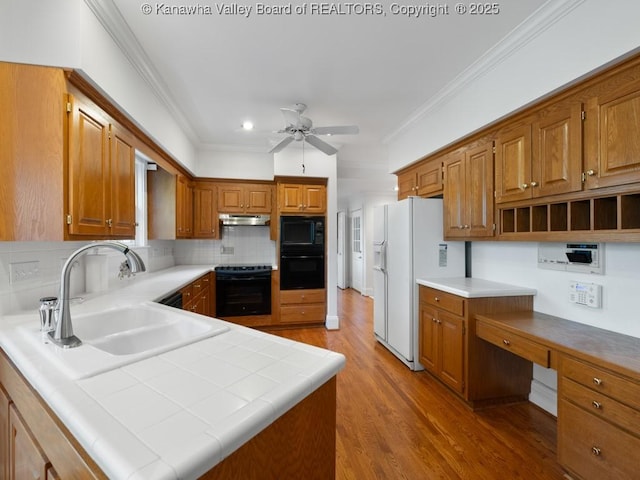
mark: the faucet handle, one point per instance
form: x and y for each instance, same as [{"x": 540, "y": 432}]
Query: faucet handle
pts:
[
  {"x": 47, "y": 306},
  {"x": 125, "y": 270}
]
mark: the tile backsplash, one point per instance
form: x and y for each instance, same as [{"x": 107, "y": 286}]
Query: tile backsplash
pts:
[{"x": 31, "y": 270}]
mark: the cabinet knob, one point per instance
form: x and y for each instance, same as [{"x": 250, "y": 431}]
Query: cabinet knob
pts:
[
  {"x": 534, "y": 184},
  {"x": 460, "y": 227},
  {"x": 596, "y": 404},
  {"x": 109, "y": 223},
  {"x": 434, "y": 320},
  {"x": 437, "y": 299},
  {"x": 596, "y": 451},
  {"x": 466, "y": 227},
  {"x": 591, "y": 173},
  {"x": 525, "y": 186},
  {"x": 597, "y": 381},
  {"x": 300, "y": 206},
  {"x": 506, "y": 342}
]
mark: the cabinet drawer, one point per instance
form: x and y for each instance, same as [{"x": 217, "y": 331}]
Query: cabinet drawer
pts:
[
  {"x": 309, "y": 313},
  {"x": 515, "y": 344},
  {"x": 444, "y": 300},
  {"x": 302, "y": 296},
  {"x": 593, "y": 448},
  {"x": 199, "y": 285},
  {"x": 623, "y": 390},
  {"x": 601, "y": 405}
]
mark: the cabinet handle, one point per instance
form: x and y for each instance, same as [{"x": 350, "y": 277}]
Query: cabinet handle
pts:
[
  {"x": 597, "y": 381},
  {"x": 525, "y": 186},
  {"x": 596, "y": 451},
  {"x": 596, "y": 404},
  {"x": 506, "y": 342},
  {"x": 591, "y": 173},
  {"x": 534, "y": 184}
]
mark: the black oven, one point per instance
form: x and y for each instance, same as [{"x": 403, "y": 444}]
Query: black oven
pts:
[
  {"x": 301, "y": 271},
  {"x": 243, "y": 290}
]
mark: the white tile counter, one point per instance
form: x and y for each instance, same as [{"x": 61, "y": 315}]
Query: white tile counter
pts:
[
  {"x": 179, "y": 413},
  {"x": 475, "y": 287}
]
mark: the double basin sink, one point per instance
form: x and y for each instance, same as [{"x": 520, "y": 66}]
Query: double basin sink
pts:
[{"x": 116, "y": 337}]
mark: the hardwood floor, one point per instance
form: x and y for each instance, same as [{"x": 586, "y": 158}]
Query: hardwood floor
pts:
[{"x": 393, "y": 423}]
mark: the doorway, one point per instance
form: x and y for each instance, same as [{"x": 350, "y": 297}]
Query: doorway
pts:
[{"x": 356, "y": 249}]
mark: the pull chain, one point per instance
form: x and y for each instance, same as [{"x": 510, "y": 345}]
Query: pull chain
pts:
[{"x": 303, "y": 142}]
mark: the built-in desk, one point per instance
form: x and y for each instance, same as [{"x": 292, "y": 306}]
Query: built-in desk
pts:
[{"x": 598, "y": 387}]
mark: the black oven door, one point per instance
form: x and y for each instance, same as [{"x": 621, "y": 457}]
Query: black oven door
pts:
[
  {"x": 301, "y": 271},
  {"x": 244, "y": 295}
]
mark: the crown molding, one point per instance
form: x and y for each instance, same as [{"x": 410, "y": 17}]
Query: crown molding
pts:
[
  {"x": 116, "y": 26},
  {"x": 533, "y": 26}
]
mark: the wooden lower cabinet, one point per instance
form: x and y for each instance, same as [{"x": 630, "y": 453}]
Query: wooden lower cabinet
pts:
[
  {"x": 450, "y": 350},
  {"x": 598, "y": 421},
  {"x": 302, "y": 306},
  {"x": 26, "y": 460},
  {"x": 199, "y": 296}
]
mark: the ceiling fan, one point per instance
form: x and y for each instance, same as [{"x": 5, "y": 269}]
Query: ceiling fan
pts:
[{"x": 301, "y": 128}]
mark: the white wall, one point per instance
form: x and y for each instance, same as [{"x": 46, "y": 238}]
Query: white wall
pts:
[
  {"x": 566, "y": 40},
  {"x": 65, "y": 33}
]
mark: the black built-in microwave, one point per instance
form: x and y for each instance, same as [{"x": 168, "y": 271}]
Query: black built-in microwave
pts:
[{"x": 301, "y": 231}]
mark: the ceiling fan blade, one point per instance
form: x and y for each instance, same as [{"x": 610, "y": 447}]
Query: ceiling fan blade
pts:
[
  {"x": 337, "y": 130},
  {"x": 281, "y": 144},
  {"x": 321, "y": 145},
  {"x": 291, "y": 117}
]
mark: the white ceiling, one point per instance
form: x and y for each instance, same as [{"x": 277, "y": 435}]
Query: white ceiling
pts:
[{"x": 375, "y": 71}]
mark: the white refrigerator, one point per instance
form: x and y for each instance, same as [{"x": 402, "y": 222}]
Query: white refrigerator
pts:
[{"x": 407, "y": 245}]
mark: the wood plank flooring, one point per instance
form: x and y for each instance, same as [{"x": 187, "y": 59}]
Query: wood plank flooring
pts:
[{"x": 393, "y": 423}]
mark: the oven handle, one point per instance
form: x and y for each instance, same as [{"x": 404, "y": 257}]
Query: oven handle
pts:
[
  {"x": 301, "y": 256},
  {"x": 242, "y": 279}
]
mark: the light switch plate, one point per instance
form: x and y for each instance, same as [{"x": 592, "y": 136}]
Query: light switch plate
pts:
[{"x": 24, "y": 271}]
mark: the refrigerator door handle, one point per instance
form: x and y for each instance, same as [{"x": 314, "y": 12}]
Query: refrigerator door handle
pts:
[{"x": 383, "y": 256}]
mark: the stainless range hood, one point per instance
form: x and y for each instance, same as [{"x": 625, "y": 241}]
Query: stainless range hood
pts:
[{"x": 240, "y": 219}]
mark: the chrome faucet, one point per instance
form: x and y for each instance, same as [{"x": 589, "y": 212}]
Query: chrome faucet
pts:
[{"x": 62, "y": 335}]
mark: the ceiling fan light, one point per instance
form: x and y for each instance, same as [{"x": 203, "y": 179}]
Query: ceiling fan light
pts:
[
  {"x": 298, "y": 135},
  {"x": 247, "y": 125}
]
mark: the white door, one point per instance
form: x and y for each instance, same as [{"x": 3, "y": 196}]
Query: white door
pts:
[
  {"x": 342, "y": 223},
  {"x": 356, "y": 250}
]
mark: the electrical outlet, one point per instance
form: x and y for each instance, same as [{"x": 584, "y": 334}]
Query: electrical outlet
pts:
[{"x": 24, "y": 271}]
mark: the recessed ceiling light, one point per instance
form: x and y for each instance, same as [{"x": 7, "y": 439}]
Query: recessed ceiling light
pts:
[{"x": 247, "y": 125}]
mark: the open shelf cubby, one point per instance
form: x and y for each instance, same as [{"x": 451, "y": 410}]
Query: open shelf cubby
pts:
[{"x": 598, "y": 215}]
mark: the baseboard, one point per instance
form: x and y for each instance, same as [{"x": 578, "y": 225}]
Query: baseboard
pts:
[
  {"x": 332, "y": 322},
  {"x": 544, "y": 397}
]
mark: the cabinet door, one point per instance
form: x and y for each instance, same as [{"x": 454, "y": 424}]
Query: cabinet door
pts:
[
  {"x": 513, "y": 164},
  {"x": 122, "y": 220},
  {"x": 4, "y": 433},
  {"x": 289, "y": 198},
  {"x": 205, "y": 215},
  {"x": 88, "y": 172},
  {"x": 428, "y": 338},
  {"x": 557, "y": 150},
  {"x": 231, "y": 198},
  {"x": 479, "y": 191},
  {"x": 612, "y": 137},
  {"x": 258, "y": 198},
  {"x": 184, "y": 207},
  {"x": 429, "y": 178},
  {"x": 406, "y": 184},
  {"x": 26, "y": 459},
  {"x": 455, "y": 196},
  {"x": 314, "y": 199},
  {"x": 451, "y": 350}
]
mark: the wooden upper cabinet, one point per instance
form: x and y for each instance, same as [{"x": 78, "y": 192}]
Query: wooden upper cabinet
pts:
[
  {"x": 101, "y": 175},
  {"x": 301, "y": 198},
  {"x": 205, "y": 213},
  {"x": 184, "y": 207},
  {"x": 557, "y": 150},
  {"x": 468, "y": 188},
  {"x": 612, "y": 133},
  {"x": 513, "y": 164},
  {"x": 424, "y": 179},
  {"x": 541, "y": 157},
  {"x": 245, "y": 198}
]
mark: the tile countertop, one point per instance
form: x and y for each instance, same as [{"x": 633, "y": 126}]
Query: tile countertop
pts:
[
  {"x": 475, "y": 287},
  {"x": 179, "y": 413}
]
